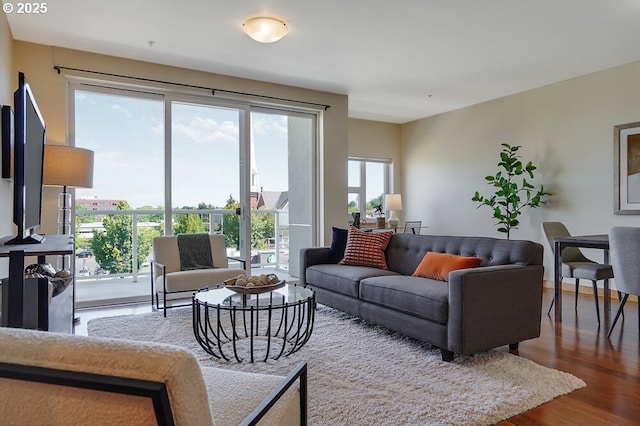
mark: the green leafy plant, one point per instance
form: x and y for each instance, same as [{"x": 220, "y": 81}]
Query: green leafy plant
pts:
[{"x": 513, "y": 192}]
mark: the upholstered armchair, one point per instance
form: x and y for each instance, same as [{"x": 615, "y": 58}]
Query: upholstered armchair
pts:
[{"x": 188, "y": 267}]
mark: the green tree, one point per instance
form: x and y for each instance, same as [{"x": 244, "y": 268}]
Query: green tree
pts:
[
  {"x": 155, "y": 217},
  {"x": 145, "y": 239},
  {"x": 112, "y": 247},
  {"x": 373, "y": 203},
  {"x": 231, "y": 224},
  {"x": 84, "y": 218},
  {"x": 190, "y": 223},
  {"x": 262, "y": 227}
]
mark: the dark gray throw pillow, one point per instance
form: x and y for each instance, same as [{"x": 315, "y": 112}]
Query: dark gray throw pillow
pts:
[{"x": 338, "y": 244}]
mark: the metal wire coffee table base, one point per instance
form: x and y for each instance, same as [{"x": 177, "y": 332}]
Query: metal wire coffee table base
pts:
[{"x": 253, "y": 327}]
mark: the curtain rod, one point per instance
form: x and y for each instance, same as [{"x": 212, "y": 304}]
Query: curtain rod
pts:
[{"x": 213, "y": 91}]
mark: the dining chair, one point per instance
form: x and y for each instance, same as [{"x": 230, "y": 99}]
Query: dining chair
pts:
[
  {"x": 412, "y": 227},
  {"x": 624, "y": 242},
  {"x": 575, "y": 264}
]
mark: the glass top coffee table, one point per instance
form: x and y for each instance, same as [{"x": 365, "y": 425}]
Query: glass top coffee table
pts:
[{"x": 250, "y": 327}]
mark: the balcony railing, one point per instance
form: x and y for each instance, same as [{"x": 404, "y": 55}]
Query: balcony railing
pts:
[{"x": 269, "y": 249}]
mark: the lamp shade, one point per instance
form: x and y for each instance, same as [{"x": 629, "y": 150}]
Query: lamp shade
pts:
[
  {"x": 67, "y": 166},
  {"x": 393, "y": 202},
  {"x": 265, "y": 30}
]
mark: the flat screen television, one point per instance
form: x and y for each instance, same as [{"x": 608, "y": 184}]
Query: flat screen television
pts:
[{"x": 28, "y": 163}]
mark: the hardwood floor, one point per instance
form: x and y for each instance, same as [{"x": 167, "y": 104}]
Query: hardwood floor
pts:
[{"x": 610, "y": 367}]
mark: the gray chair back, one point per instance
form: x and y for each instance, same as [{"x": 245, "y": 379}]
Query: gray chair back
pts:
[
  {"x": 412, "y": 227},
  {"x": 624, "y": 243},
  {"x": 557, "y": 229}
]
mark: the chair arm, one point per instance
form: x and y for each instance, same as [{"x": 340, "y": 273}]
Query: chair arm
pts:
[
  {"x": 156, "y": 391},
  {"x": 162, "y": 271},
  {"x": 311, "y": 256},
  {"x": 299, "y": 372},
  {"x": 239, "y": 259},
  {"x": 493, "y": 306}
]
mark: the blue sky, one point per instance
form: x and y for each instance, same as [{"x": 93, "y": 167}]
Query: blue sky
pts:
[{"x": 127, "y": 136}]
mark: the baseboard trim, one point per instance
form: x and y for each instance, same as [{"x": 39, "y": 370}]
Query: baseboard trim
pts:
[{"x": 570, "y": 287}]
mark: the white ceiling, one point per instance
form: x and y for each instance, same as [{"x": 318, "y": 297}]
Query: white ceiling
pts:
[{"x": 397, "y": 60}]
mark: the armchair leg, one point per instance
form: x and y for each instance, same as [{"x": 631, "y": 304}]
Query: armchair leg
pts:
[
  {"x": 575, "y": 303},
  {"x": 513, "y": 347},
  {"x": 164, "y": 306}
]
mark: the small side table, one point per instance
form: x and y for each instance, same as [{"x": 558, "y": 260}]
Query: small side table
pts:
[{"x": 263, "y": 326}]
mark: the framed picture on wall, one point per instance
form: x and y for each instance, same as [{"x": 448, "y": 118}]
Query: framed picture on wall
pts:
[{"x": 626, "y": 138}]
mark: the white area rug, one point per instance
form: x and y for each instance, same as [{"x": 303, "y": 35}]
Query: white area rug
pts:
[{"x": 360, "y": 374}]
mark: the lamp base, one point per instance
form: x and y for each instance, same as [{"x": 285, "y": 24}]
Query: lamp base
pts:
[{"x": 393, "y": 219}]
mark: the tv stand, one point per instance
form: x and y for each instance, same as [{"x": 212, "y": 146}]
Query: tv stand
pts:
[
  {"x": 17, "y": 311},
  {"x": 30, "y": 239}
]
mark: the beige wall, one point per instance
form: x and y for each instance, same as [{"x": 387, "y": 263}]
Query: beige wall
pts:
[
  {"x": 374, "y": 139},
  {"x": 565, "y": 128},
  {"x": 8, "y": 81},
  {"x": 50, "y": 89}
]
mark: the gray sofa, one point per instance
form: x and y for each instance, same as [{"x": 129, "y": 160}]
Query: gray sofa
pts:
[{"x": 498, "y": 303}]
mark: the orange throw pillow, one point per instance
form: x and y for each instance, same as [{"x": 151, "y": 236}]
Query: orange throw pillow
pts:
[
  {"x": 438, "y": 265},
  {"x": 366, "y": 248}
]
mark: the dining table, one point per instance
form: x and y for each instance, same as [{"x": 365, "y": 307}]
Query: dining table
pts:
[{"x": 598, "y": 241}]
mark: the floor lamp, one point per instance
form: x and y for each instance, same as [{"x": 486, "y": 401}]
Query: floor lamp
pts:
[{"x": 68, "y": 167}]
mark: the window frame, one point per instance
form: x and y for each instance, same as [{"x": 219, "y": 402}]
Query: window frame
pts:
[{"x": 361, "y": 190}]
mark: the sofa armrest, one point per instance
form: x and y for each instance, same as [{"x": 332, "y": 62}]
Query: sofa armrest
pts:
[
  {"x": 298, "y": 373},
  {"x": 494, "y": 306},
  {"x": 311, "y": 256}
]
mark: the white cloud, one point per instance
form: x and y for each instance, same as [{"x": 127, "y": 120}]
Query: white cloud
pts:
[
  {"x": 273, "y": 125},
  {"x": 120, "y": 108},
  {"x": 205, "y": 130}
]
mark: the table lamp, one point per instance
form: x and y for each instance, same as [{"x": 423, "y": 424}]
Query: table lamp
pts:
[{"x": 393, "y": 204}]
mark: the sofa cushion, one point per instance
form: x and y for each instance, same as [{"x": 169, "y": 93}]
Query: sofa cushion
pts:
[
  {"x": 405, "y": 251},
  {"x": 342, "y": 279},
  {"x": 422, "y": 297},
  {"x": 338, "y": 244},
  {"x": 438, "y": 265},
  {"x": 366, "y": 248}
]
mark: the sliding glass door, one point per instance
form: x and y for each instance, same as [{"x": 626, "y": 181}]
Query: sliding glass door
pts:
[
  {"x": 282, "y": 186},
  {"x": 114, "y": 223},
  {"x": 206, "y": 170},
  {"x": 170, "y": 164}
]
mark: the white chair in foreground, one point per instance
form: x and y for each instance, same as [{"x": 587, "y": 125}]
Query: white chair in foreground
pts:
[
  {"x": 61, "y": 379},
  {"x": 170, "y": 276}
]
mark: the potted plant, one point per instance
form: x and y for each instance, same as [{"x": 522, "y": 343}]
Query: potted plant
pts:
[{"x": 513, "y": 192}]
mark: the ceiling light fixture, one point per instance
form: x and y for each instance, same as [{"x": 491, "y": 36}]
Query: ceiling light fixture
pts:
[{"x": 265, "y": 30}]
